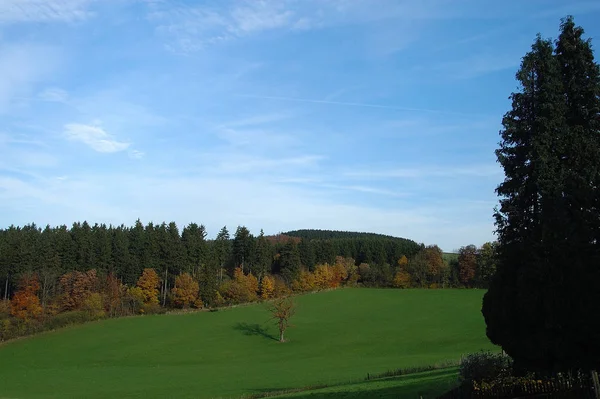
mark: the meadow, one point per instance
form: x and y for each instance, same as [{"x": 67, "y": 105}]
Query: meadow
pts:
[{"x": 338, "y": 336}]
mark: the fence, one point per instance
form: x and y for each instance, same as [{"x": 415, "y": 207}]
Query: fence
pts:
[{"x": 564, "y": 387}]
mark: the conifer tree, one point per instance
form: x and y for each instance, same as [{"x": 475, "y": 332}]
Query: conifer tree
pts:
[{"x": 540, "y": 301}]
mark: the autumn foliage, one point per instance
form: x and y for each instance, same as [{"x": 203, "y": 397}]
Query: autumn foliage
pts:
[
  {"x": 76, "y": 287},
  {"x": 25, "y": 304},
  {"x": 282, "y": 310},
  {"x": 185, "y": 292},
  {"x": 243, "y": 288},
  {"x": 267, "y": 287},
  {"x": 148, "y": 283}
]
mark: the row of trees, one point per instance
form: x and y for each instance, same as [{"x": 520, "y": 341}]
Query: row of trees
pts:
[
  {"x": 97, "y": 271},
  {"x": 125, "y": 251},
  {"x": 103, "y": 293}
]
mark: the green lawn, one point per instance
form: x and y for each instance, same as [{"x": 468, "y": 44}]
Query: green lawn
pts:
[
  {"x": 338, "y": 336},
  {"x": 421, "y": 385}
]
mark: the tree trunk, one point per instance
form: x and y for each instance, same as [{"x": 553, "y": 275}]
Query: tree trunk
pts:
[
  {"x": 166, "y": 287},
  {"x": 281, "y": 336},
  {"x": 6, "y": 288}
]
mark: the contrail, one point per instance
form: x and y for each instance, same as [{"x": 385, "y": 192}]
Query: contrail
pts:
[{"x": 392, "y": 107}]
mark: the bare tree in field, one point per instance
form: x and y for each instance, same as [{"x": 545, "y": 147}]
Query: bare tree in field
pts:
[{"x": 282, "y": 310}]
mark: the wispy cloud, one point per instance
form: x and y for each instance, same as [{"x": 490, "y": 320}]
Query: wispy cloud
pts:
[
  {"x": 22, "y": 66},
  {"x": 135, "y": 154},
  {"x": 476, "y": 65},
  {"x": 450, "y": 171},
  {"x": 94, "y": 137},
  {"x": 12, "y": 11},
  {"x": 54, "y": 94},
  {"x": 189, "y": 28},
  {"x": 351, "y": 104}
]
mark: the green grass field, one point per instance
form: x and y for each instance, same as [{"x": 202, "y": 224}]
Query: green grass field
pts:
[
  {"x": 338, "y": 336},
  {"x": 427, "y": 385}
]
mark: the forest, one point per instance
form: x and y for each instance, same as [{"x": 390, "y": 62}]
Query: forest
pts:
[{"x": 115, "y": 270}]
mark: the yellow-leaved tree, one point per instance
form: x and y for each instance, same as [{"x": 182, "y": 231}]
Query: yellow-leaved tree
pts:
[
  {"x": 267, "y": 287},
  {"x": 149, "y": 283}
]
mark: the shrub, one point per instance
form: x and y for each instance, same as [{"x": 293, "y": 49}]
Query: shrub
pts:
[
  {"x": 152, "y": 308},
  {"x": 485, "y": 366},
  {"x": 93, "y": 306},
  {"x": 66, "y": 319},
  {"x": 5, "y": 329},
  {"x": 4, "y": 308}
]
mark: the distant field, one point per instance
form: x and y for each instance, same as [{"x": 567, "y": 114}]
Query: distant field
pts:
[{"x": 338, "y": 336}]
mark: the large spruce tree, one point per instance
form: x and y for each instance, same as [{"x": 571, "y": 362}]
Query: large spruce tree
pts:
[{"x": 542, "y": 302}]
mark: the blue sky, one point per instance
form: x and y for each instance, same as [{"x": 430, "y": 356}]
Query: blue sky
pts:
[{"x": 366, "y": 115}]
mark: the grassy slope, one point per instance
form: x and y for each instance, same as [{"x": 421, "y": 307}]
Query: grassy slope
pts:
[
  {"x": 339, "y": 335},
  {"x": 421, "y": 385}
]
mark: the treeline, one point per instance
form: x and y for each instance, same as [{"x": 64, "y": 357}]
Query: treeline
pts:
[
  {"x": 126, "y": 251},
  {"x": 56, "y": 276}
]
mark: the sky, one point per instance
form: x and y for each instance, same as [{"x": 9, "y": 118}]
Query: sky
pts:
[{"x": 358, "y": 115}]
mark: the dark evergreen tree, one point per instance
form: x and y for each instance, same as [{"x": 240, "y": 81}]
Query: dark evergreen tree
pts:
[
  {"x": 540, "y": 300},
  {"x": 102, "y": 244},
  {"x": 121, "y": 257},
  {"x": 289, "y": 261},
  {"x": 307, "y": 253},
  {"x": 263, "y": 256},
  {"x": 222, "y": 250},
  {"x": 138, "y": 245},
  {"x": 193, "y": 238},
  {"x": 243, "y": 248}
]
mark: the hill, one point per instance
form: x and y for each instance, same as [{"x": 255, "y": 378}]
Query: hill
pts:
[
  {"x": 316, "y": 234},
  {"x": 339, "y": 336}
]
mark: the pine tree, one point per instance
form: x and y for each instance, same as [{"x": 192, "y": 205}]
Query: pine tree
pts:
[
  {"x": 243, "y": 248},
  {"x": 222, "y": 250},
  {"x": 540, "y": 301},
  {"x": 263, "y": 256},
  {"x": 137, "y": 247},
  {"x": 289, "y": 261},
  {"x": 193, "y": 238},
  {"x": 307, "y": 254}
]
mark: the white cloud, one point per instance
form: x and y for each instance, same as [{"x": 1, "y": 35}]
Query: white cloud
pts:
[
  {"x": 190, "y": 28},
  {"x": 12, "y": 11},
  {"x": 121, "y": 198},
  {"x": 135, "y": 154},
  {"x": 53, "y": 94},
  {"x": 484, "y": 170},
  {"x": 22, "y": 66},
  {"x": 258, "y": 15},
  {"x": 95, "y": 137}
]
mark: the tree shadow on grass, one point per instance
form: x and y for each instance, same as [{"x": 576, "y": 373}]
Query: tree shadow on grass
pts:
[{"x": 254, "y": 329}]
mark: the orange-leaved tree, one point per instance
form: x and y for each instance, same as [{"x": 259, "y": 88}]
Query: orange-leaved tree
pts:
[
  {"x": 185, "y": 292},
  {"x": 149, "y": 283},
  {"x": 25, "y": 304},
  {"x": 282, "y": 310},
  {"x": 113, "y": 292},
  {"x": 76, "y": 287},
  {"x": 467, "y": 264}
]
